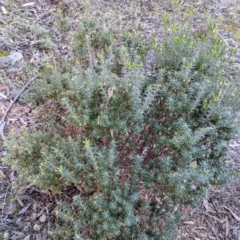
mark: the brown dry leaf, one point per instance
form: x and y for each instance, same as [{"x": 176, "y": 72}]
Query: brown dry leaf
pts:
[
  {"x": 28, "y": 4},
  {"x": 233, "y": 214},
  {"x": 2, "y": 175},
  {"x": 40, "y": 236},
  {"x": 189, "y": 223},
  {"x": 29, "y": 224},
  {"x": 212, "y": 238},
  {"x": 28, "y": 237},
  {"x": 3, "y": 96},
  {"x": 19, "y": 110},
  {"x": 33, "y": 216},
  {"x": 158, "y": 200},
  {"x": 34, "y": 207},
  {"x": 83, "y": 183},
  {"x": 176, "y": 208},
  {"x": 214, "y": 231},
  {"x": 2, "y": 195},
  {"x": 12, "y": 177},
  {"x": 110, "y": 92},
  {"x": 4, "y": 10},
  {"x": 22, "y": 121},
  {"x": 20, "y": 202},
  {"x": 18, "y": 220},
  {"x": 54, "y": 210},
  {"x": 17, "y": 235},
  {"x": 40, "y": 213},
  {"x": 227, "y": 227},
  {"x": 11, "y": 208},
  {"x": 12, "y": 120},
  {"x": 79, "y": 188},
  {"x": 2, "y": 129},
  {"x": 201, "y": 228},
  {"x": 111, "y": 132},
  {"x": 213, "y": 217},
  {"x": 4, "y": 87},
  {"x": 23, "y": 210}
]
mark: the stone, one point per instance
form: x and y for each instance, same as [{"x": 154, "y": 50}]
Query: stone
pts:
[
  {"x": 6, "y": 235},
  {"x": 43, "y": 218},
  {"x": 37, "y": 227},
  {"x": 11, "y": 60},
  {"x": 15, "y": 58}
]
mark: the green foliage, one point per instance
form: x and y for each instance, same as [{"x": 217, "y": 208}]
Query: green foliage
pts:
[
  {"x": 61, "y": 21},
  {"x": 90, "y": 39},
  {"x": 4, "y": 53},
  {"x": 119, "y": 135}
]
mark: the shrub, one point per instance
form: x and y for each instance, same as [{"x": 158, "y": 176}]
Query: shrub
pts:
[{"x": 134, "y": 146}]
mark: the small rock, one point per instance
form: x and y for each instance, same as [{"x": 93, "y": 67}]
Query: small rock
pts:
[
  {"x": 16, "y": 57},
  {"x": 43, "y": 218},
  {"x": 37, "y": 227},
  {"x": 6, "y": 235},
  {"x": 10, "y": 60}
]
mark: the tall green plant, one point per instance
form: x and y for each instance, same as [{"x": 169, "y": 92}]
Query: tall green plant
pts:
[{"x": 134, "y": 146}]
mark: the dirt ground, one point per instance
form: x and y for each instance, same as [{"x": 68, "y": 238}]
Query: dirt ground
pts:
[{"x": 30, "y": 28}]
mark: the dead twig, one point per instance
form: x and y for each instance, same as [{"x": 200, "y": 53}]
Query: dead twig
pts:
[
  {"x": 4, "y": 202},
  {"x": 233, "y": 214},
  {"x": 14, "y": 100},
  {"x": 219, "y": 220}
]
